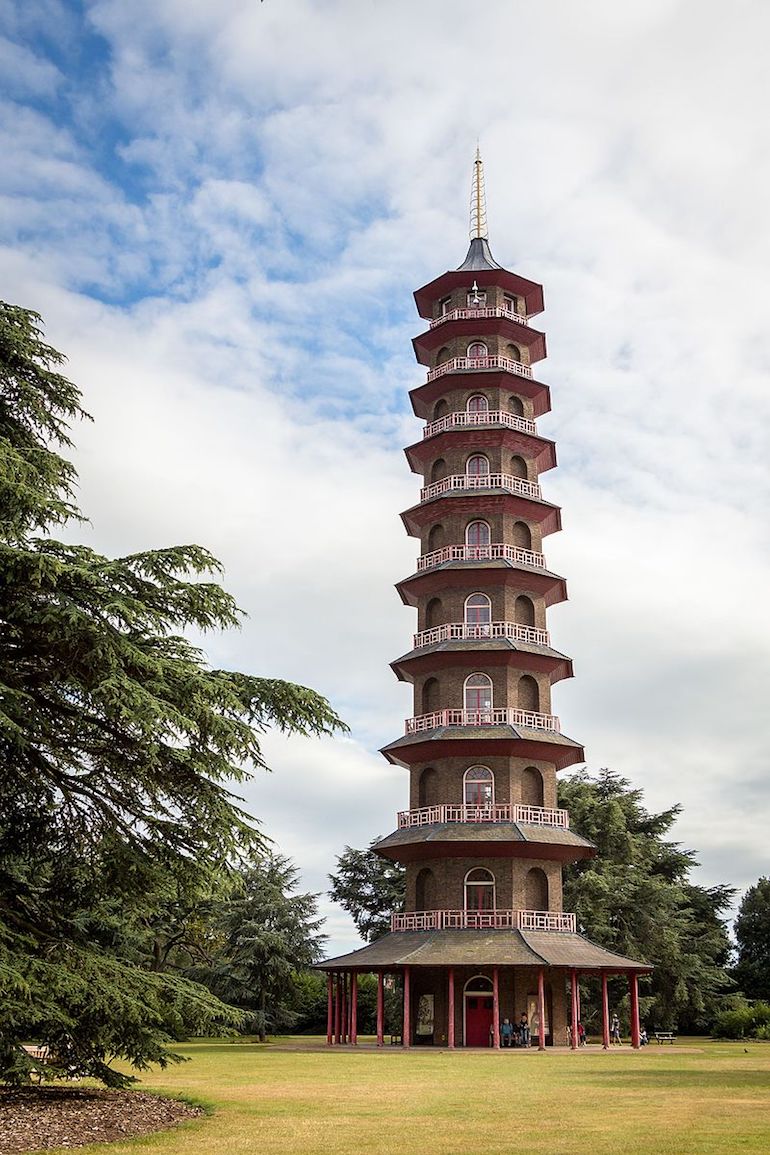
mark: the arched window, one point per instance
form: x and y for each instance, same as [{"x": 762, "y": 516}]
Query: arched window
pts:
[
  {"x": 435, "y": 537},
  {"x": 509, "y": 303},
  {"x": 479, "y": 786},
  {"x": 478, "y": 611},
  {"x": 438, "y": 469},
  {"x": 518, "y": 467},
  {"x": 480, "y": 890},
  {"x": 425, "y": 890},
  {"x": 444, "y": 354},
  {"x": 532, "y": 787},
  {"x": 477, "y": 534},
  {"x": 536, "y": 890},
  {"x": 477, "y": 465},
  {"x": 522, "y": 535},
  {"x": 524, "y": 611},
  {"x": 516, "y": 405},
  {"x": 529, "y": 694},
  {"x": 427, "y": 791},
  {"x": 430, "y": 696},
  {"x": 440, "y": 408},
  {"x": 477, "y": 349},
  {"x": 477, "y": 404},
  {"x": 433, "y": 613},
  {"x": 513, "y": 351},
  {"x": 477, "y": 693}
]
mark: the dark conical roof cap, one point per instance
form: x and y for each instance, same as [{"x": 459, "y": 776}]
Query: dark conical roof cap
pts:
[{"x": 479, "y": 256}]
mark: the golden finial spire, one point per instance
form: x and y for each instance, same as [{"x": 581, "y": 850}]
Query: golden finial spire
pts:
[{"x": 478, "y": 199}]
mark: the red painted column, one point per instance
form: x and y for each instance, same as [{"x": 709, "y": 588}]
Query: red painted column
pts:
[
  {"x": 605, "y": 1014},
  {"x": 406, "y": 1030},
  {"x": 345, "y": 1008},
  {"x": 573, "y": 985},
  {"x": 450, "y": 1030},
  {"x": 633, "y": 982},
  {"x": 329, "y": 1010},
  {"x": 354, "y": 1008},
  {"x": 338, "y": 1010},
  {"x": 495, "y": 1008},
  {"x": 380, "y": 1008},
  {"x": 541, "y": 1009}
]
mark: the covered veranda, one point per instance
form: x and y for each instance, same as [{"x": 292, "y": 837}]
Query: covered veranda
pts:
[{"x": 551, "y": 961}]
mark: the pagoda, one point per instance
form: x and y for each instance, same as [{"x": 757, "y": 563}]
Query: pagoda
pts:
[{"x": 483, "y": 936}]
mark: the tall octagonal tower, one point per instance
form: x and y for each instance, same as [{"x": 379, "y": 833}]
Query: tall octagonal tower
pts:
[{"x": 484, "y": 936}]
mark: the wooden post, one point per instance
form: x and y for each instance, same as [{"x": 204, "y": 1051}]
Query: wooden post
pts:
[
  {"x": 380, "y": 1008},
  {"x": 541, "y": 1009},
  {"x": 344, "y": 1007},
  {"x": 573, "y": 985},
  {"x": 406, "y": 1030},
  {"x": 354, "y": 1008},
  {"x": 605, "y": 1013},
  {"x": 338, "y": 1010},
  {"x": 495, "y": 1008},
  {"x": 329, "y": 1010},
  {"x": 450, "y": 1030},
  {"x": 633, "y": 982}
]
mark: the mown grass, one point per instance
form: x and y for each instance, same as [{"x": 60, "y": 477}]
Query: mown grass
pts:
[{"x": 696, "y": 1098}]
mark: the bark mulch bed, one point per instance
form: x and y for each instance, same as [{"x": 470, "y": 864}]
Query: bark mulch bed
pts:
[{"x": 38, "y": 1118}]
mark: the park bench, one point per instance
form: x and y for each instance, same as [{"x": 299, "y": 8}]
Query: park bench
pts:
[
  {"x": 41, "y": 1054},
  {"x": 664, "y": 1037}
]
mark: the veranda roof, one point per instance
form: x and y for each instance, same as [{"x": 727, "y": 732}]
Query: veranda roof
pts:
[{"x": 475, "y": 948}]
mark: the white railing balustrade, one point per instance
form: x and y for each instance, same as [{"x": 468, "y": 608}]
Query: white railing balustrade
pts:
[
  {"x": 484, "y": 920},
  {"x": 495, "y": 812},
  {"x": 466, "y": 481},
  {"x": 505, "y": 716},
  {"x": 484, "y": 312},
  {"x": 465, "y": 420},
  {"x": 496, "y": 551},
  {"x": 463, "y": 364},
  {"x": 462, "y": 631}
]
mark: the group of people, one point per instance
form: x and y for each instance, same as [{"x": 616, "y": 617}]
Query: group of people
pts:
[
  {"x": 518, "y": 1034},
  {"x": 581, "y": 1035},
  {"x": 515, "y": 1034}
]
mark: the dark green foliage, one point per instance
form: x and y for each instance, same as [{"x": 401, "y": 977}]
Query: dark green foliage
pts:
[
  {"x": 370, "y": 888},
  {"x": 743, "y": 1023},
  {"x": 118, "y": 745},
  {"x": 262, "y": 936},
  {"x": 752, "y": 933},
  {"x": 636, "y": 898}
]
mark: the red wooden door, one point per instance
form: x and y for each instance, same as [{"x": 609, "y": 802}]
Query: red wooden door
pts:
[{"x": 478, "y": 1020}]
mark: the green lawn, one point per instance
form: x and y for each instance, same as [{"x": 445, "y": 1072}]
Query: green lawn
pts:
[{"x": 694, "y": 1098}]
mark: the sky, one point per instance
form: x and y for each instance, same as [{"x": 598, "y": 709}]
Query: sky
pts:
[{"x": 221, "y": 208}]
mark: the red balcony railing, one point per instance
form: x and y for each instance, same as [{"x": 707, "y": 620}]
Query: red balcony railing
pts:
[
  {"x": 462, "y": 631},
  {"x": 505, "y": 716},
  {"x": 465, "y": 420},
  {"x": 484, "y": 920},
  {"x": 485, "y": 312},
  {"x": 497, "y": 551},
  {"x": 465, "y": 481},
  {"x": 463, "y": 364},
  {"x": 496, "y": 812}
]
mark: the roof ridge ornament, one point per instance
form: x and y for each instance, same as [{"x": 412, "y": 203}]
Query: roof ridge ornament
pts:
[{"x": 478, "y": 226}]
